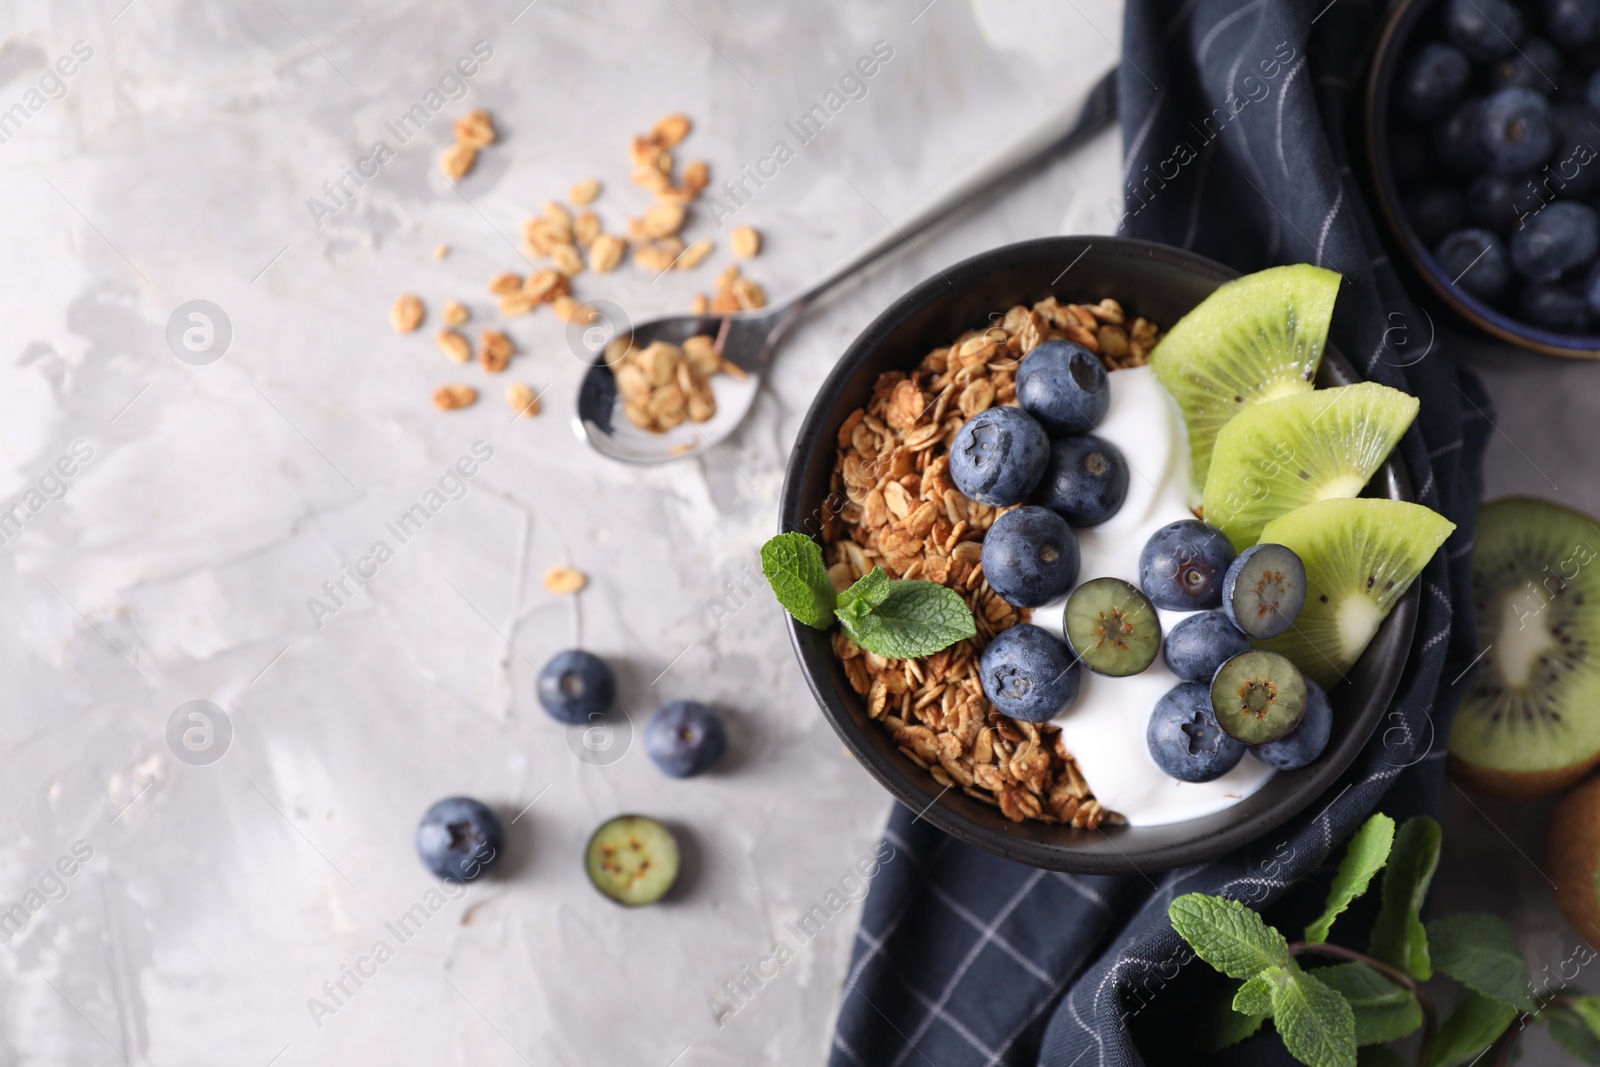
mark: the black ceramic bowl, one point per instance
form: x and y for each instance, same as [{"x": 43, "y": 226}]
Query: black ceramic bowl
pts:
[
  {"x": 1407, "y": 18},
  {"x": 1162, "y": 284}
]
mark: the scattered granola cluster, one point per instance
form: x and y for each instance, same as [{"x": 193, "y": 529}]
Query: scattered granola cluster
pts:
[
  {"x": 664, "y": 385},
  {"x": 901, "y": 511}
]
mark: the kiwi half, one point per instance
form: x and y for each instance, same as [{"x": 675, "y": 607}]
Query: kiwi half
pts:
[
  {"x": 1530, "y": 723},
  {"x": 1256, "y": 338},
  {"x": 632, "y": 859},
  {"x": 1361, "y": 555},
  {"x": 1572, "y": 854},
  {"x": 1275, "y": 456}
]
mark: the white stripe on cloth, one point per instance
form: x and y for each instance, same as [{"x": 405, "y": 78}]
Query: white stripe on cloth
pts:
[{"x": 1283, "y": 95}]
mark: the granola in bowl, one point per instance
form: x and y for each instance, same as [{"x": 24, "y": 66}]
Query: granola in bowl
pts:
[{"x": 904, "y": 514}]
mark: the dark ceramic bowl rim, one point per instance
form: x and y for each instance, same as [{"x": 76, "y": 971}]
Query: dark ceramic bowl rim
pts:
[
  {"x": 1391, "y": 45},
  {"x": 1112, "y": 849}
]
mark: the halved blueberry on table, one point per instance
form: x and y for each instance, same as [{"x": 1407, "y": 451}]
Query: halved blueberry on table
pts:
[
  {"x": 1185, "y": 739},
  {"x": 1476, "y": 260},
  {"x": 1483, "y": 29},
  {"x": 999, "y": 456},
  {"x": 1198, "y": 645},
  {"x": 1436, "y": 76},
  {"x": 1028, "y": 674},
  {"x": 1258, "y": 697},
  {"x": 1301, "y": 746},
  {"x": 459, "y": 839},
  {"x": 684, "y": 738},
  {"x": 1112, "y": 627},
  {"x": 1085, "y": 481},
  {"x": 1182, "y": 565},
  {"x": 1515, "y": 130},
  {"x": 1030, "y": 556},
  {"x": 1563, "y": 235},
  {"x": 632, "y": 859},
  {"x": 1064, "y": 386},
  {"x": 576, "y": 686},
  {"x": 1264, "y": 590}
]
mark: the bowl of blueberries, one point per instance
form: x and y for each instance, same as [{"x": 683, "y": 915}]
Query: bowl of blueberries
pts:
[{"x": 1483, "y": 126}]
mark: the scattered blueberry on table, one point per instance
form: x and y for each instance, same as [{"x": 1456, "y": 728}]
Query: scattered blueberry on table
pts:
[
  {"x": 576, "y": 686},
  {"x": 459, "y": 839},
  {"x": 684, "y": 738},
  {"x": 1495, "y": 148}
]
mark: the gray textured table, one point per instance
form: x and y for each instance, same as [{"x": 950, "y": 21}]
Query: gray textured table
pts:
[{"x": 216, "y": 907}]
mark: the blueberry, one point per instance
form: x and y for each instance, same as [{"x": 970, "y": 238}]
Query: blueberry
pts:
[
  {"x": 1561, "y": 236},
  {"x": 1184, "y": 738},
  {"x": 576, "y": 686},
  {"x": 1483, "y": 29},
  {"x": 1591, "y": 290},
  {"x": 1572, "y": 171},
  {"x": 1498, "y": 201},
  {"x": 1410, "y": 157},
  {"x": 1556, "y": 307},
  {"x": 1475, "y": 260},
  {"x": 1182, "y": 566},
  {"x": 999, "y": 456},
  {"x": 459, "y": 839},
  {"x": 1455, "y": 140},
  {"x": 1434, "y": 212},
  {"x": 1432, "y": 81},
  {"x": 1064, "y": 386},
  {"x": 1085, "y": 481},
  {"x": 1515, "y": 130},
  {"x": 684, "y": 738},
  {"x": 1302, "y": 745},
  {"x": 1030, "y": 556},
  {"x": 1028, "y": 674},
  {"x": 1200, "y": 644},
  {"x": 1535, "y": 65},
  {"x": 1572, "y": 23}
]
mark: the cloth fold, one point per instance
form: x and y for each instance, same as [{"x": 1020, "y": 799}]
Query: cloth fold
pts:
[{"x": 1233, "y": 118}]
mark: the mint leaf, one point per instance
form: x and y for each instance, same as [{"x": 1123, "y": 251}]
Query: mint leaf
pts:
[
  {"x": 1222, "y": 1026},
  {"x": 1569, "y": 1030},
  {"x": 1228, "y": 935},
  {"x": 1398, "y": 936},
  {"x": 1475, "y": 1025},
  {"x": 1480, "y": 952},
  {"x": 1317, "y": 1026},
  {"x": 904, "y": 619},
  {"x": 1255, "y": 996},
  {"x": 1378, "y": 1056},
  {"x": 1588, "y": 1009},
  {"x": 1383, "y": 1010},
  {"x": 793, "y": 565},
  {"x": 1365, "y": 856}
]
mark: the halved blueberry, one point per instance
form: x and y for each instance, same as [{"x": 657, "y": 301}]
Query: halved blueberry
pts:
[
  {"x": 1258, "y": 696},
  {"x": 1264, "y": 590},
  {"x": 1085, "y": 481},
  {"x": 1112, "y": 627}
]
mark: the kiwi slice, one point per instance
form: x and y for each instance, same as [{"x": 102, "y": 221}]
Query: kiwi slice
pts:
[
  {"x": 1279, "y": 454},
  {"x": 1256, "y": 338},
  {"x": 1112, "y": 627},
  {"x": 1572, "y": 855},
  {"x": 632, "y": 859},
  {"x": 1258, "y": 697},
  {"x": 1360, "y": 555},
  {"x": 1530, "y": 723}
]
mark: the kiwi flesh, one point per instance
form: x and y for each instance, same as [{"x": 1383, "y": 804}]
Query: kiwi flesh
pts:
[
  {"x": 1361, "y": 555},
  {"x": 1255, "y": 338},
  {"x": 1530, "y": 722},
  {"x": 1277, "y": 455},
  {"x": 632, "y": 859},
  {"x": 1572, "y": 856}
]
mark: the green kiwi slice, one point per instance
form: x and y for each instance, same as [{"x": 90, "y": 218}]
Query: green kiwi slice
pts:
[
  {"x": 1112, "y": 627},
  {"x": 1255, "y": 338},
  {"x": 1277, "y": 455},
  {"x": 1530, "y": 722},
  {"x": 1361, "y": 555},
  {"x": 1258, "y": 697},
  {"x": 632, "y": 859}
]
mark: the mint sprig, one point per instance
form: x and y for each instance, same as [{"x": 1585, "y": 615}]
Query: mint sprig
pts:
[
  {"x": 1398, "y": 936},
  {"x": 897, "y": 619},
  {"x": 1365, "y": 856},
  {"x": 1228, "y": 935}
]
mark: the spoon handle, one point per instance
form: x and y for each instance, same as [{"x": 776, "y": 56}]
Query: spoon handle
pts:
[{"x": 1061, "y": 131}]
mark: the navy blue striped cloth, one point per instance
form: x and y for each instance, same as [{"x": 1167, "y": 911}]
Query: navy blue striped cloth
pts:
[{"x": 1232, "y": 112}]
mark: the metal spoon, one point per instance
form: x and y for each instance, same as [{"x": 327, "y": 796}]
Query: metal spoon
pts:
[{"x": 747, "y": 340}]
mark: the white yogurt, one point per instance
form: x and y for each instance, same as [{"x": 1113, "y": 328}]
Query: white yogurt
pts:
[{"x": 1105, "y": 727}]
